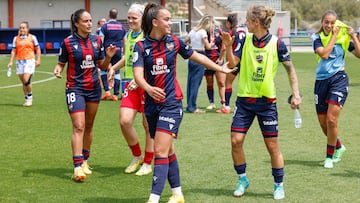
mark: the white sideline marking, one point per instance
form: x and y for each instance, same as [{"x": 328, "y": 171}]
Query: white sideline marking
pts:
[{"x": 35, "y": 82}]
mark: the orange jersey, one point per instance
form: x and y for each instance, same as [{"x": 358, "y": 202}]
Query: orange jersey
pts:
[{"x": 25, "y": 48}]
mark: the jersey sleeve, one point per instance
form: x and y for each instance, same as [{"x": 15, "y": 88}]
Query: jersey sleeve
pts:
[
  {"x": 14, "y": 43},
  {"x": 316, "y": 41},
  {"x": 102, "y": 48},
  {"x": 36, "y": 42},
  {"x": 351, "y": 46},
  {"x": 283, "y": 52},
  {"x": 184, "y": 50},
  {"x": 63, "y": 53},
  {"x": 138, "y": 59},
  {"x": 238, "y": 45}
]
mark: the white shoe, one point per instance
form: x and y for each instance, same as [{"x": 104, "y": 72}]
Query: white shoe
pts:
[
  {"x": 211, "y": 106},
  {"x": 144, "y": 170},
  {"x": 86, "y": 168},
  {"x": 135, "y": 163},
  {"x": 28, "y": 102},
  {"x": 328, "y": 163}
]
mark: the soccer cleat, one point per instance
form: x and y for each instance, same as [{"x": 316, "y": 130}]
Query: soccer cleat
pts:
[
  {"x": 242, "y": 184},
  {"x": 279, "y": 192},
  {"x": 106, "y": 96},
  {"x": 79, "y": 175},
  {"x": 28, "y": 102},
  {"x": 176, "y": 198},
  {"x": 135, "y": 163},
  {"x": 114, "y": 98},
  {"x": 86, "y": 168},
  {"x": 144, "y": 170},
  {"x": 149, "y": 201},
  {"x": 338, "y": 153},
  {"x": 225, "y": 110},
  {"x": 211, "y": 106},
  {"x": 328, "y": 163}
]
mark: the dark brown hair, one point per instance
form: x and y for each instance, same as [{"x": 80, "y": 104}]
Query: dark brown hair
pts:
[
  {"x": 151, "y": 12},
  {"x": 75, "y": 18}
]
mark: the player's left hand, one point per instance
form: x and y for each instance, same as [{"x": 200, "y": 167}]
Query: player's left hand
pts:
[
  {"x": 226, "y": 69},
  {"x": 132, "y": 85},
  {"x": 110, "y": 50},
  {"x": 227, "y": 39}
]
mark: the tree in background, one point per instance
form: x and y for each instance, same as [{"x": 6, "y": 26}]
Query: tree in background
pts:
[{"x": 307, "y": 12}]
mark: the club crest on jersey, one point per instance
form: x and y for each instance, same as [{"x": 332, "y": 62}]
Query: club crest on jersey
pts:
[
  {"x": 76, "y": 46},
  {"x": 170, "y": 46},
  {"x": 147, "y": 51},
  {"x": 95, "y": 44},
  {"x": 259, "y": 58}
]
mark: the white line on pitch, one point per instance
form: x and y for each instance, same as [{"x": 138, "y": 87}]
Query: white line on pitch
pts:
[{"x": 35, "y": 82}]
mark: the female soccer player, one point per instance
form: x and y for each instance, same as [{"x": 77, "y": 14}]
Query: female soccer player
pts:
[
  {"x": 330, "y": 44},
  {"x": 154, "y": 66},
  {"x": 258, "y": 54},
  {"x": 133, "y": 99},
  {"x": 83, "y": 52},
  {"x": 236, "y": 31},
  {"x": 216, "y": 54},
  {"x": 23, "y": 47}
]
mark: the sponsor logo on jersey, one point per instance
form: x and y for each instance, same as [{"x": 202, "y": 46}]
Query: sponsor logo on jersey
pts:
[
  {"x": 88, "y": 62},
  {"x": 159, "y": 67}
]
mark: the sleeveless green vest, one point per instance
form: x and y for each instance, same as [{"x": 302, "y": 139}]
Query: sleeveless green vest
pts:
[
  {"x": 129, "y": 52},
  {"x": 258, "y": 68}
]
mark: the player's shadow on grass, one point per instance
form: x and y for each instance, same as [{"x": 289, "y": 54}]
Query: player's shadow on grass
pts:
[
  {"x": 62, "y": 173},
  {"x": 348, "y": 174},
  {"x": 228, "y": 193},
  {"x": 112, "y": 200},
  {"x": 309, "y": 163},
  {"x": 66, "y": 173},
  {"x": 12, "y": 104}
]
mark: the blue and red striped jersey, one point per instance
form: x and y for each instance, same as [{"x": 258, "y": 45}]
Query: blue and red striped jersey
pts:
[
  {"x": 81, "y": 56},
  {"x": 158, "y": 58},
  {"x": 214, "y": 52}
]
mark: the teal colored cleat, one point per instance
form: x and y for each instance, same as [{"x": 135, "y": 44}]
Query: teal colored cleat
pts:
[
  {"x": 338, "y": 153},
  {"x": 242, "y": 184},
  {"x": 279, "y": 192}
]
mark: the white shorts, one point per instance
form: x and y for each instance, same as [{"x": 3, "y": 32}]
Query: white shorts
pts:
[{"x": 25, "y": 66}]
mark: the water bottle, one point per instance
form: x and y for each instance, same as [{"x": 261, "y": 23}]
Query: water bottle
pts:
[
  {"x": 9, "y": 72},
  {"x": 297, "y": 118}
]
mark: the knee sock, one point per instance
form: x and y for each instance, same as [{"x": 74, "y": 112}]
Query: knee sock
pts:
[
  {"x": 135, "y": 149},
  {"x": 174, "y": 173},
  {"x": 78, "y": 160},
  {"x": 86, "y": 154},
  {"x": 278, "y": 174},
  {"x": 210, "y": 93},
  {"x": 330, "y": 151},
  {"x": 149, "y": 156},
  {"x": 240, "y": 170},
  {"x": 161, "y": 169},
  {"x": 228, "y": 93}
]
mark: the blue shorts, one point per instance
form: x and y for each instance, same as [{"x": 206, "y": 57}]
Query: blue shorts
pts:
[
  {"x": 209, "y": 72},
  {"x": 165, "y": 118},
  {"x": 333, "y": 90},
  {"x": 76, "y": 99},
  {"x": 265, "y": 110}
]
